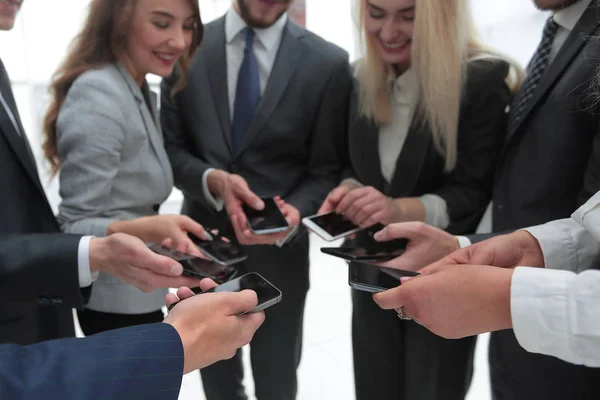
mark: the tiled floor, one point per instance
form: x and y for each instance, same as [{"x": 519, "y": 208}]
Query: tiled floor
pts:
[{"x": 326, "y": 368}]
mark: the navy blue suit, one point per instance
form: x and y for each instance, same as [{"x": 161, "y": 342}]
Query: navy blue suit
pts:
[{"x": 141, "y": 362}]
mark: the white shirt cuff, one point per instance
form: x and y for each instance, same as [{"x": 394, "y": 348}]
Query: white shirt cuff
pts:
[
  {"x": 217, "y": 203},
  {"x": 436, "y": 211},
  {"x": 463, "y": 241},
  {"x": 86, "y": 277}
]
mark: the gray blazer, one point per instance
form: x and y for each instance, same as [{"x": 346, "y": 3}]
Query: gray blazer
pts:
[{"x": 114, "y": 167}]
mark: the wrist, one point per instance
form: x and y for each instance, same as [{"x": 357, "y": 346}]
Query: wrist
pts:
[
  {"x": 216, "y": 182},
  {"x": 502, "y": 303}
]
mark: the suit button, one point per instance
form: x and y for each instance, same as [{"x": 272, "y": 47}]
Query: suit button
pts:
[
  {"x": 234, "y": 168},
  {"x": 57, "y": 300},
  {"x": 44, "y": 300}
]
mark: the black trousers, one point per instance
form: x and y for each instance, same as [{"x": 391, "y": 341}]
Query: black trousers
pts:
[
  {"x": 276, "y": 348},
  {"x": 401, "y": 360},
  {"x": 93, "y": 322},
  {"x": 518, "y": 375}
]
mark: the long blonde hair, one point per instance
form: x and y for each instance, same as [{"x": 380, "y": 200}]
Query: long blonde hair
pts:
[{"x": 444, "y": 41}]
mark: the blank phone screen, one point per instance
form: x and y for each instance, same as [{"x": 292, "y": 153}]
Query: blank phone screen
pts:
[
  {"x": 334, "y": 224},
  {"x": 268, "y": 218},
  {"x": 375, "y": 276},
  {"x": 264, "y": 290}
]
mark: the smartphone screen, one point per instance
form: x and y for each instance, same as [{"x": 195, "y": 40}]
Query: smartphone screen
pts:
[
  {"x": 270, "y": 219},
  {"x": 267, "y": 294},
  {"x": 198, "y": 267},
  {"x": 168, "y": 252},
  {"x": 372, "y": 278},
  {"x": 361, "y": 253},
  {"x": 222, "y": 251},
  {"x": 334, "y": 224}
]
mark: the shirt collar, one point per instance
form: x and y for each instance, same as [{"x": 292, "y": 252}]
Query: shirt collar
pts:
[
  {"x": 268, "y": 37},
  {"x": 402, "y": 87},
  {"x": 568, "y": 17}
]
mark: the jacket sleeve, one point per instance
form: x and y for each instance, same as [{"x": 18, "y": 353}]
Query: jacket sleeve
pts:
[
  {"x": 40, "y": 266},
  {"x": 467, "y": 190},
  {"x": 141, "y": 362}
]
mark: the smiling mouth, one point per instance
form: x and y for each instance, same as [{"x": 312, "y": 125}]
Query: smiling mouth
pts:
[{"x": 394, "y": 46}]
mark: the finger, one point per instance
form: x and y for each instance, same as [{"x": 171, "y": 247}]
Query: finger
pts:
[
  {"x": 248, "y": 197},
  {"x": 391, "y": 299},
  {"x": 207, "y": 284},
  {"x": 349, "y": 199},
  {"x": 146, "y": 259},
  {"x": 337, "y": 194},
  {"x": 402, "y": 230},
  {"x": 292, "y": 216},
  {"x": 171, "y": 299},
  {"x": 250, "y": 323},
  {"x": 190, "y": 247},
  {"x": 366, "y": 214},
  {"x": 191, "y": 226},
  {"x": 243, "y": 301},
  {"x": 168, "y": 242},
  {"x": 355, "y": 208},
  {"x": 373, "y": 219},
  {"x": 184, "y": 292}
]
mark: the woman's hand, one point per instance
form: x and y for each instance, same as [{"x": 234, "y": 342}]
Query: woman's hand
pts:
[
  {"x": 367, "y": 206},
  {"x": 335, "y": 196}
]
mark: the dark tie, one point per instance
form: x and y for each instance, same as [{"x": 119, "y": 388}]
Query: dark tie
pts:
[
  {"x": 247, "y": 94},
  {"x": 535, "y": 70}
]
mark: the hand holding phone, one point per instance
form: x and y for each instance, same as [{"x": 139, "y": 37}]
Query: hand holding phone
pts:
[
  {"x": 266, "y": 221},
  {"x": 268, "y": 295},
  {"x": 221, "y": 250}
]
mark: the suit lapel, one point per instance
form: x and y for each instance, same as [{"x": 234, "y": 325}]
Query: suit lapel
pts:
[
  {"x": 215, "y": 56},
  {"x": 410, "y": 159},
  {"x": 148, "y": 114},
  {"x": 574, "y": 44},
  {"x": 288, "y": 59},
  {"x": 18, "y": 143}
]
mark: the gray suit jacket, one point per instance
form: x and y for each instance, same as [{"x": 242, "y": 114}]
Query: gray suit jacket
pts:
[
  {"x": 294, "y": 144},
  {"x": 114, "y": 167}
]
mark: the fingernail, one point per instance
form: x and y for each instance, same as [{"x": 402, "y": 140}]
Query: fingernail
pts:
[
  {"x": 176, "y": 270},
  {"x": 379, "y": 235},
  {"x": 405, "y": 279},
  {"x": 208, "y": 236},
  {"x": 259, "y": 205}
]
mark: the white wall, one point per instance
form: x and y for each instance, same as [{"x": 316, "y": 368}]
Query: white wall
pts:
[{"x": 33, "y": 50}]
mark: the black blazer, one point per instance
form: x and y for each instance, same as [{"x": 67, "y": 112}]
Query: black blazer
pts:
[
  {"x": 551, "y": 164},
  {"x": 420, "y": 167},
  {"x": 24, "y": 209}
]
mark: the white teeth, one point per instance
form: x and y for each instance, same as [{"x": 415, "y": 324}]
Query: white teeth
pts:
[
  {"x": 165, "y": 57},
  {"x": 393, "y": 45}
]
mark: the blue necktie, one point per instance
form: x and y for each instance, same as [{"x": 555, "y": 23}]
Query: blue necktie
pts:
[{"x": 247, "y": 94}]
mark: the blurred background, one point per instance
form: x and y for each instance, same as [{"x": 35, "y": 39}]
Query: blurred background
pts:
[{"x": 33, "y": 50}]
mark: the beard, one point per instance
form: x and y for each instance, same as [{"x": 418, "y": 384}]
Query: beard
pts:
[
  {"x": 254, "y": 23},
  {"x": 553, "y": 5}
]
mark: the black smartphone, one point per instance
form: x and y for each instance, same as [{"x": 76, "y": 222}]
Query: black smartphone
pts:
[
  {"x": 330, "y": 226},
  {"x": 266, "y": 221},
  {"x": 197, "y": 267},
  {"x": 221, "y": 250},
  {"x": 382, "y": 253},
  {"x": 268, "y": 295},
  {"x": 373, "y": 278}
]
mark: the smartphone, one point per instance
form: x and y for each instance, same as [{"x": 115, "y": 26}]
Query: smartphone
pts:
[
  {"x": 330, "y": 226},
  {"x": 268, "y": 295},
  {"x": 266, "y": 221},
  {"x": 197, "y": 267},
  {"x": 222, "y": 250},
  {"x": 362, "y": 254},
  {"x": 373, "y": 278}
]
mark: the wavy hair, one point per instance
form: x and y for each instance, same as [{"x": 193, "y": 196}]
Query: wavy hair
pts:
[{"x": 102, "y": 40}]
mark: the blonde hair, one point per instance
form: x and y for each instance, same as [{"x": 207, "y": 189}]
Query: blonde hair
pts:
[{"x": 444, "y": 41}]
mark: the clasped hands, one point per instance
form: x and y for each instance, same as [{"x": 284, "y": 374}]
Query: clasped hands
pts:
[
  {"x": 460, "y": 292},
  {"x": 235, "y": 193}
]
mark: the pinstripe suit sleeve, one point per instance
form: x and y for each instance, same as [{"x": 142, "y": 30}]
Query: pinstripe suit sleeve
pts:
[{"x": 142, "y": 362}]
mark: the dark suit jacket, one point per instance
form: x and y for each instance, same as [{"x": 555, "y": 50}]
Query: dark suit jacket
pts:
[
  {"x": 141, "y": 362},
  {"x": 420, "y": 167},
  {"x": 24, "y": 209},
  {"x": 292, "y": 147},
  {"x": 551, "y": 164}
]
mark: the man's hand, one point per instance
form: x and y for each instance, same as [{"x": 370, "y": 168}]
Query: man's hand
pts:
[
  {"x": 455, "y": 302},
  {"x": 157, "y": 228},
  {"x": 209, "y": 327},
  {"x": 246, "y": 237},
  {"x": 506, "y": 251},
  {"x": 335, "y": 196},
  {"x": 129, "y": 259},
  {"x": 426, "y": 244},
  {"x": 234, "y": 191}
]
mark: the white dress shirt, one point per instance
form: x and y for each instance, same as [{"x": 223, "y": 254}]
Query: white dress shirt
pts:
[
  {"x": 392, "y": 136},
  {"x": 266, "y": 46},
  {"x": 566, "y": 20},
  {"x": 556, "y": 311},
  {"x": 83, "y": 258}
]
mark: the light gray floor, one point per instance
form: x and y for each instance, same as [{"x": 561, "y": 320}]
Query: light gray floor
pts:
[{"x": 326, "y": 368}]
